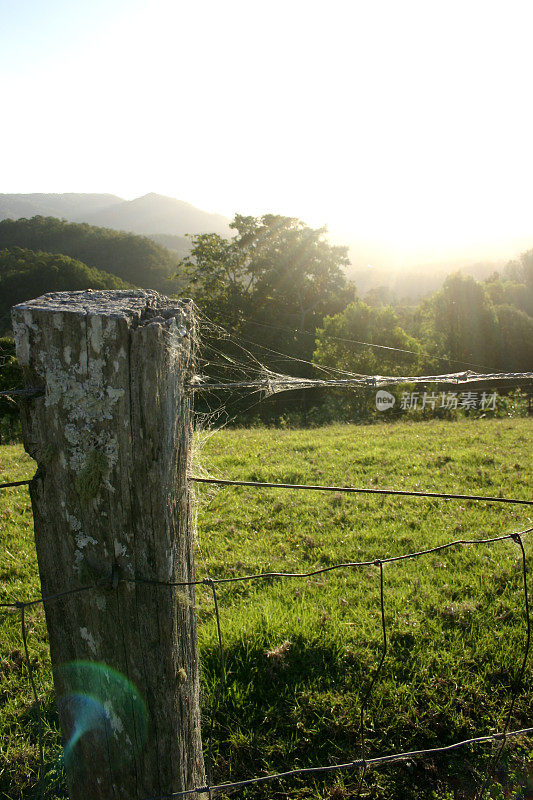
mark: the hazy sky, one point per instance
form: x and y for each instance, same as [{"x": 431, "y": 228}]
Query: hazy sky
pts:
[{"x": 402, "y": 123}]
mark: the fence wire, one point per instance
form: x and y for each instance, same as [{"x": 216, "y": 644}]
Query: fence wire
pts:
[
  {"x": 363, "y": 762},
  {"x": 357, "y": 490},
  {"x": 279, "y": 383},
  {"x": 24, "y": 394},
  {"x": 10, "y": 484},
  {"x": 340, "y": 489}
]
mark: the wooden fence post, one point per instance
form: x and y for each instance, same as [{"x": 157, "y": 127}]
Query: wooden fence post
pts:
[{"x": 111, "y": 502}]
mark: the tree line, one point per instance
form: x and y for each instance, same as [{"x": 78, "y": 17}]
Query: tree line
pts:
[
  {"x": 284, "y": 277},
  {"x": 280, "y": 286},
  {"x": 134, "y": 259}
]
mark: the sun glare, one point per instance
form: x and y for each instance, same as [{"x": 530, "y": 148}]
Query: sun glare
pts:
[{"x": 402, "y": 126}]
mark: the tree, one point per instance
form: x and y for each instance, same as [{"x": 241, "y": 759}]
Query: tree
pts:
[
  {"x": 345, "y": 341},
  {"x": 461, "y": 324},
  {"x": 521, "y": 270},
  {"x": 515, "y": 339},
  {"x": 25, "y": 274},
  {"x": 135, "y": 259},
  {"x": 11, "y": 377},
  {"x": 510, "y": 292},
  {"x": 274, "y": 280}
]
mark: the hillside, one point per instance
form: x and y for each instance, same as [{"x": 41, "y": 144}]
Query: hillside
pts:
[
  {"x": 71, "y": 206},
  {"x": 155, "y": 213},
  {"x": 150, "y": 214},
  {"x": 178, "y": 244},
  {"x": 166, "y": 221},
  {"x": 25, "y": 274},
  {"x": 135, "y": 259}
]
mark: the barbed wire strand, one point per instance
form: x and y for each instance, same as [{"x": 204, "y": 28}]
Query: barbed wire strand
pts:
[
  {"x": 343, "y": 489},
  {"x": 518, "y": 679},
  {"x": 357, "y": 490}
]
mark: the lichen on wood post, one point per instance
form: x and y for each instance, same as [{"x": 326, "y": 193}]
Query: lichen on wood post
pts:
[{"x": 112, "y": 439}]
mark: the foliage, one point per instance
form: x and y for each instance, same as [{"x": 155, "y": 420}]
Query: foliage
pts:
[
  {"x": 300, "y": 653},
  {"x": 521, "y": 272},
  {"x": 25, "y": 274},
  {"x": 512, "y": 293},
  {"x": 474, "y": 325},
  {"x": 135, "y": 259},
  {"x": 462, "y": 325},
  {"x": 280, "y": 288},
  {"x": 275, "y": 274},
  {"x": 345, "y": 340},
  {"x": 515, "y": 339},
  {"x": 179, "y": 244},
  {"x": 11, "y": 377}
]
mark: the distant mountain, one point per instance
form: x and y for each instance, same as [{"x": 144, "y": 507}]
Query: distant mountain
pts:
[
  {"x": 68, "y": 206},
  {"x": 147, "y": 215},
  {"x": 155, "y": 214}
]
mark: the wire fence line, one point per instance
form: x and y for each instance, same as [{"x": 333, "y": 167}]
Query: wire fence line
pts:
[
  {"x": 24, "y": 394},
  {"x": 10, "y": 484},
  {"x": 364, "y": 763},
  {"x": 356, "y": 490},
  {"x": 114, "y": 579},
  {"x": 341, "y": 489},
  {"x": 368, "y": 763},
  {"x": 515, "y": 536},
  {"x": 277, "y": 382}
]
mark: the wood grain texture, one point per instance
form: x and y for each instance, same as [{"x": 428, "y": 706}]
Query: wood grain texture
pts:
[{"x": 112, "y": 440}]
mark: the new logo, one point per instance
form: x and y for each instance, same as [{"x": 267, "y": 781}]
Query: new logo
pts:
[{"x": 384, "y": 400}]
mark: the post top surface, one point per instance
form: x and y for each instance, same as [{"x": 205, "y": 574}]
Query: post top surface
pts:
[{"x": 126, "y": 303}]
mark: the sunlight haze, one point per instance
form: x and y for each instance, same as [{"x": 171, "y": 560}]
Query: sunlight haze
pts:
[{"x": 404, "y": 127}]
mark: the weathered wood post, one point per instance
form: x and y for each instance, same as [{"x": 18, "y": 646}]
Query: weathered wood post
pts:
[{"x": 112, "y": 440}]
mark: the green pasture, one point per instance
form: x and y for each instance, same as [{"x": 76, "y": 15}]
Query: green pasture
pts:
[{"x": 301, "y": 652}]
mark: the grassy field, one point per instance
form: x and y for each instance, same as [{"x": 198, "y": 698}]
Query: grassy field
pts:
[{"x": 300, "y": 653}]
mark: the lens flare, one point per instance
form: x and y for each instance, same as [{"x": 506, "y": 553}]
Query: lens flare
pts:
[
  {"x": 86, "y": 713},
  {"x": 100, "y": 707}
]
